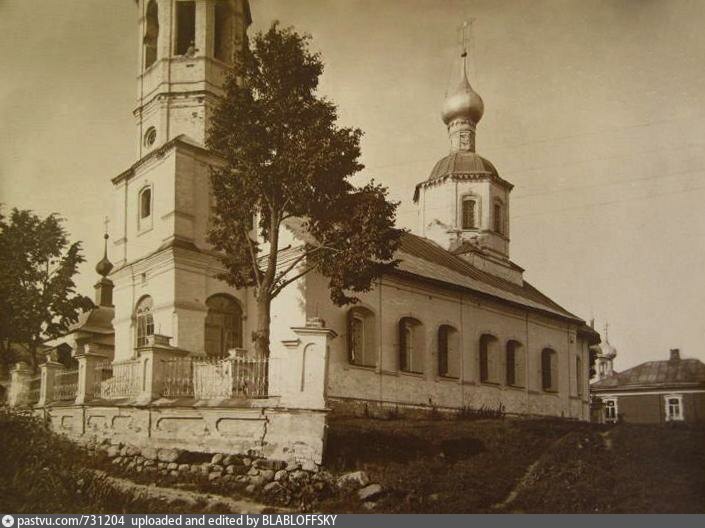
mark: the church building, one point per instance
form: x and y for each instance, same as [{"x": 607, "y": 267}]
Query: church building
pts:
[{"x": 454, "y": 327}]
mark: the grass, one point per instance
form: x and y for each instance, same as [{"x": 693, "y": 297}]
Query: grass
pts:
[
  {"x": 431, "y": 466},
  {"x": 646, "y": 470},
  {"x": 456, "y": 466},
  {"x": 42, "y": 472},
  {"x": 469, "y": 466}
]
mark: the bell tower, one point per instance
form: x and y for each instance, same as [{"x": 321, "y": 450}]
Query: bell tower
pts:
[
  {"x": 186, "y": 50},
  {"x": 164, "y": 266}
]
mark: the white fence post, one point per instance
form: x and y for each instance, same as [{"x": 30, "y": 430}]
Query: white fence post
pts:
[
  {"x": 87, "y": 365},
  {"x": 151, "y": 359},
  {"x": 20, "y": 376},
  {"x": 303, "y": 367},
  {"x": 48, "y": 370}
]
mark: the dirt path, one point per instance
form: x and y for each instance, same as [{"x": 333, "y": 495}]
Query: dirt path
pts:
[
  {"x": 189, "y": 499},
  {"x": 525, "y": 480},
  {"x": 607, "y": 439}
]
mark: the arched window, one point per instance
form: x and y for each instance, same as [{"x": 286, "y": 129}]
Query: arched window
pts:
[
  {"x": 489, "y": 359},
  {"x": 223, "y": 32},
  {"x": 151, "y": 33},
  {"x": 144, "y": 320},
  {"x": 448, "y": 352},
  {"x": 145, "y": 203},
  {"x": 468, "y": 210},
  {"x": 514, "y": 364},
  {"x": 223, "y": 330},
  {"x": 549, "y": 370},
  {"x": 498, "y": 214},
  {"x": 410, "y": 345},
  {"x": 361, "y": 337}
]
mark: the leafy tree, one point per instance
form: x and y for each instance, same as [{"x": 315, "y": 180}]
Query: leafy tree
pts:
[
  {"x": 38, "y": 299},
  {"x": 286, "y": 161}
]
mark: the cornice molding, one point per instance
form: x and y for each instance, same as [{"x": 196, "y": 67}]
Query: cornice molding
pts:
[{"x": 179, "y": 142}]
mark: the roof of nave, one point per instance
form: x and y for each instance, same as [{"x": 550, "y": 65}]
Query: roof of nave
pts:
[
  {"x": 655, "y": 374},
  {"x": 424, "y": 258}
]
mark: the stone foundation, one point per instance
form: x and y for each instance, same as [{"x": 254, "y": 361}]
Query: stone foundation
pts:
[
  {"x": 273, "y": 433},
  {"x": 352, "y": 407}
]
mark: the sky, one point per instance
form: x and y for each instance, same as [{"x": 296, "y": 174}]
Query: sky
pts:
[{"x": 594, "y": 110}]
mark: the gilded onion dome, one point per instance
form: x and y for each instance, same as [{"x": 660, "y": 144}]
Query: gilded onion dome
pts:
[{"x": 463, "y": 102}]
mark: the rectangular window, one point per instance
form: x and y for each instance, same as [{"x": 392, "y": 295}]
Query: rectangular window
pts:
[
  {"x": 673, "y": 408},
  {"x": 145, "y": 328},
  {"x": 223, "y": 38},
  {"x": 610, "y": 411},
  {"x": 468, "y": 220},
  {"x": 498, "y": 218},
  {"x": 579, "y": 375},
  {"x": 185, "y": 26}
]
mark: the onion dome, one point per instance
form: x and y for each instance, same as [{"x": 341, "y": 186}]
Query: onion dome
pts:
[
  {"x": 104, "y": 267},
  {"x": 463, "y": 102},
  {"x": 605, "y": 349}
]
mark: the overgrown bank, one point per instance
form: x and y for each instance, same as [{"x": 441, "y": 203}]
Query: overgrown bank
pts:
[
  {"x": 41, "y": 472},
  {"x": 544, "y": 466},
  {"x": 432, "y": 466}
]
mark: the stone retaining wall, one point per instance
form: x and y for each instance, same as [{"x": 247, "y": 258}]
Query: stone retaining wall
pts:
[{"x": 272, "y": 433}]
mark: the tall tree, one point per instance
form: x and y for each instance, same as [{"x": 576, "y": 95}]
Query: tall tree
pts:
[
  {"x": 287, "y": 160},
  {"x": 38, "y": 299}
]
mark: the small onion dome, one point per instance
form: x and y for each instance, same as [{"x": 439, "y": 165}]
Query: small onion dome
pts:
[
  {"x": 104, "y": 267},
  {"x": 605, "y": 350},
  {"x": 462, "y": 103}
]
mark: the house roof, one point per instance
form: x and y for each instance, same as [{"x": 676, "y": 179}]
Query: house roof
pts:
[
  {"x": 656, "y": 374},
  {"x": 424, "y": 258}
]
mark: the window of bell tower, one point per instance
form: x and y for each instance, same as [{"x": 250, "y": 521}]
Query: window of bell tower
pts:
[
  {"x": 223, "y": 32},
  {"x": 151, "y": 33},
  {"x": 185, "y": 27}
]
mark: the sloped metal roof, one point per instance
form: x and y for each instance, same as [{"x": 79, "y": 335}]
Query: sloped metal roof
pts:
[
  {"x": 98, "y": 321},
  {"x": 655, "y": 374},
  {"x": 424, "y": 258},
  {"x": 462, "y": 165}
]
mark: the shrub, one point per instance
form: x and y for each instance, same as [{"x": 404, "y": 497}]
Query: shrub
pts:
[{"x": 483, "y": 413}]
